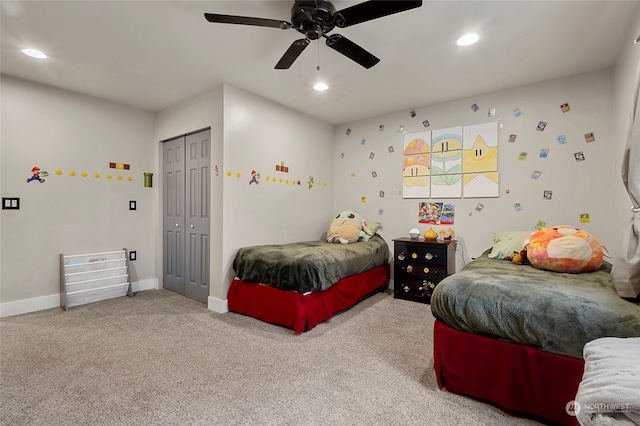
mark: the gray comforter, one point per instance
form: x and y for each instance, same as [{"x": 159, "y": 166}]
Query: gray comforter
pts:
[
  {"x": 308, "y": 266},
  {"x": 554, "y": 312}
]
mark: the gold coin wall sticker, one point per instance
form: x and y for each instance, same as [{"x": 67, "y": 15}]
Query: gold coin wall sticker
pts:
[
  {"x": 119, "y": 177},
  {"x": 108, "y": 177}
]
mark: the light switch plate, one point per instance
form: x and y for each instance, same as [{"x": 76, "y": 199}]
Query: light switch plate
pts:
[{"x": 10, "y": 203}]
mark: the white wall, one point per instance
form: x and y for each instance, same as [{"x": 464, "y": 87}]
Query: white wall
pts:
[
  {"x": 258, "y": 135},
  {"x": 627, "y": 73},
  {"x": 252, "y": 133},
  {"x": 58, "y": 130},
  {"x": 578, "y": 187}
]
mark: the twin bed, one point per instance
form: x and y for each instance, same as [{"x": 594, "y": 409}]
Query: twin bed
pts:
[
  {"x": 299, "y": 285},
  {"x": 513, "y": 335}
]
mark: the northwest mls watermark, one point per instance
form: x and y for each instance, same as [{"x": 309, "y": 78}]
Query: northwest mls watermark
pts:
[{"x": 574, "y": 408}]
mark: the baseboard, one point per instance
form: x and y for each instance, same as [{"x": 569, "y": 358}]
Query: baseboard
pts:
[
  {"x": 218, "y": 305},
  {"x": 149, "y": 284},
  {"x": 25, "y": 306},
  {"x": 51, "y": 301}
]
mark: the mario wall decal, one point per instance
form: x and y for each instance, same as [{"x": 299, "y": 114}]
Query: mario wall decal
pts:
[
  {"x": 37, "y": 174},
  {"x": 255, "y": 176}
]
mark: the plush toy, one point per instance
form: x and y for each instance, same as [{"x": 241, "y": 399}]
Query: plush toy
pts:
[
  {"x": 347, "y": 227},
  {"x": 564, "y": 248},
  {"x": 519, "y": 257}
]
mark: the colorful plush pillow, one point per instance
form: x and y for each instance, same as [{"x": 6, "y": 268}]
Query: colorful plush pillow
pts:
[
  {"x": 373, "y": 228},
  {"x": 564, "y": 248},
  {"x": 505, "y": 243}
]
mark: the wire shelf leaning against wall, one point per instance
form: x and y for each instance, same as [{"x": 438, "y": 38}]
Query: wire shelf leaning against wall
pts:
[{"x": 92, "y": 277}]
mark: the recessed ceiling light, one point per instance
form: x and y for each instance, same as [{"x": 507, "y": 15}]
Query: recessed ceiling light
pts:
[
  {"x": 34, "y": 53},
  {"x": 468, "y": 39},
  {"x": 320, "y": 86}
]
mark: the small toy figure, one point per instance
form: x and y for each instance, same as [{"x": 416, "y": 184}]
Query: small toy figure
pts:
[{"x": 36, "y": 175}]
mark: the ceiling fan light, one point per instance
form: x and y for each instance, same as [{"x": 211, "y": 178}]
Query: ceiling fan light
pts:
[
  {"x": 320, "y": 86},
  {"x": 468, "y": 39},
  {"x": 34, "y": 53}
]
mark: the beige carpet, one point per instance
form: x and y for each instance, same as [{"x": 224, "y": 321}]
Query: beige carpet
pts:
[{"x": 161, "y": 359}]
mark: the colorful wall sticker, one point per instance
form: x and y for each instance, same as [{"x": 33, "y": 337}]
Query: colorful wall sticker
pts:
[
  {"x": 436, "y": 213},
  {"x": 562, "y": 139},
  {"x": 282, "y": 168},
  {"x": 584, "y": 218},
  {"x": 579, "y": 156},
  {"x": 255, "y": 176},
  {"x": 512, "y": 138},
  {"x": 541, "y": 126},
  {"x": 589, "y": 137},
  {"x": 119, "y": 166},
  {"x": 37, "y": 175},
  {"x": 565, "y": 108}
]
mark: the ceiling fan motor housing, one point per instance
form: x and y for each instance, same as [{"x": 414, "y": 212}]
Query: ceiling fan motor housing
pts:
[{"x": 313, "y": 18}]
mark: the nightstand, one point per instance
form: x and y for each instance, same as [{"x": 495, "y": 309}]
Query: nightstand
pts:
[{"x": 419, "y": 265}]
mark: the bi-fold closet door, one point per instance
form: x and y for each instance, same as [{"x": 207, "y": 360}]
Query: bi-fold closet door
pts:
[{"x": 186, "y": 212}]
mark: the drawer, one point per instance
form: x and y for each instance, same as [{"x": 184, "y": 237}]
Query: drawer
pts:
[
  {"x": 428, "y": 255},
  {"x": 413, "y": 288},
  {"x": 420, "y": 270}
]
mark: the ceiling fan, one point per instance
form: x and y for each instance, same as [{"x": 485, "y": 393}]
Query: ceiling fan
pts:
[{"x": 316, "y": 18}]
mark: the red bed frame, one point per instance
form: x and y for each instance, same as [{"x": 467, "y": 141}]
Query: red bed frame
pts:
[
  {"x": 302, "y": 312},
  {"x": 521, "y": 380}
]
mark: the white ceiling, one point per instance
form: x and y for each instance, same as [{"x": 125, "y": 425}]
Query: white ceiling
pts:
[{"x": 152, "y": 54}]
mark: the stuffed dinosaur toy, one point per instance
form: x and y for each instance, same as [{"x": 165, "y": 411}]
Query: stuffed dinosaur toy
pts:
[{"x": 347, "y": 227}]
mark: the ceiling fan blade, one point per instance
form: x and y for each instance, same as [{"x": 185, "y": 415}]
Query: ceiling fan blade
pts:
[
  {"x": 372, "y": 9},
  {"x": 292, "y": 54},
  {"x": 246, "y": 20},
  {"x": 351, "y": 50}
]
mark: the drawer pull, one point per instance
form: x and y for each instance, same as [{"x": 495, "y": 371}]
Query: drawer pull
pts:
[
  {"x": 406, "y": 289},
  {"x": 414, "y": 255},
  {"x": 409, "y": 269},
  {"x": 401, "y": 256},
  {"x": 426, "y": 270},
  {"x": 428, "y": 256}
]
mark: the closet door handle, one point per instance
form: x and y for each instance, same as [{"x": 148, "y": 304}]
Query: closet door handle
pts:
[
  {"x": 177, "y": 225},
  {"x": 192, "y": 226}
]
